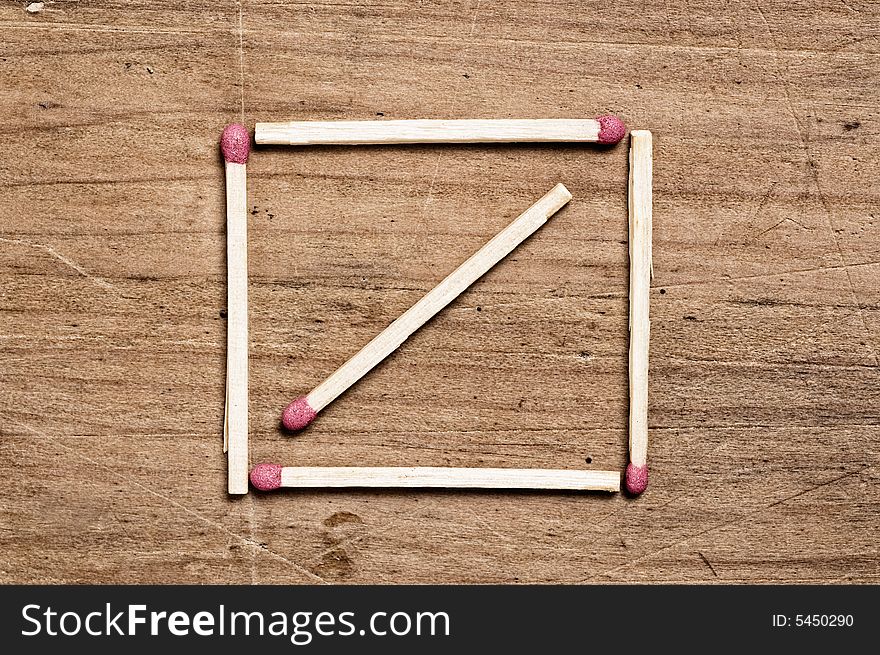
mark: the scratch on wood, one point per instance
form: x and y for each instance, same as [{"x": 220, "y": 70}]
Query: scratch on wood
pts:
[
  {"x": 245, "y": 540},
  {"x": 814, "y": 174},
  {"x": 708, "y": 563},
  {"x": 113, "y": 29},
  {"x": 761, "y": 276},
  {"x": 241, "y": 53},
  {"x": 724, "y": 524},
  {"x": 818, "y": 486},
  {"x": 64, "y": 260},
  {"x": 464, "y": 51}
]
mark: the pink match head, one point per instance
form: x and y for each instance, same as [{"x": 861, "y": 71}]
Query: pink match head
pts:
[
  {"x": 266, "y": 477},
  {"x": 636, "y": 478},
  {"x": 611, "y": 129},
  {"x": 236, "y": 143},
  {"x": 298, "y": 414}
]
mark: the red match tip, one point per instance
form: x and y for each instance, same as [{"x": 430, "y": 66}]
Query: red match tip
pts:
[
  {"x": 266, "y": 477},
  {"x": 298, "y": 414},
  {"x": 611, "y": 129},
  {"x": 236, "y": 143},
  {"x": 636, "y": 478}
]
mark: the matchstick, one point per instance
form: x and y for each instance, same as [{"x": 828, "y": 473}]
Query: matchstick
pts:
[
  {"x": 640, "y": 272},
  {"x": 301, "y": 411},
  {"x": 266, "y": 477},
  {"x": 604, "y": 129},
  {"x": 235, "y": 144}
]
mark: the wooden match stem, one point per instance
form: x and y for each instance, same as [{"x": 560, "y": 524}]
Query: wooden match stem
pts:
[
  {"x": 450, "y": 478},
  {"x": 640, "y": 273},
  {"x": 436, "y": 299},
  {"x": 236, "y": 424},
  {"x": 428, "y": 131}
]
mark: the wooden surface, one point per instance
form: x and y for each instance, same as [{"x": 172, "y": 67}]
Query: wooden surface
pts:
[{"x": 764, "y": 388}]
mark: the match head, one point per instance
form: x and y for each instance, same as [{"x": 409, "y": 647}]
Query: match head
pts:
[
  {"x": 636, "y": 478},
  {"x": 298, "y": 414},
  {"x": 611, "y": 129},
  {"x": 236, "y": 143},
  {"x": 266, "y": 477}
]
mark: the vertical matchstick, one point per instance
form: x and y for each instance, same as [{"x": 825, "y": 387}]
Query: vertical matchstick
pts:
[
  {"x": 235, "y": 144},
  {"x": 302, "y": 411},
  {"x": 640, "y": 271}
]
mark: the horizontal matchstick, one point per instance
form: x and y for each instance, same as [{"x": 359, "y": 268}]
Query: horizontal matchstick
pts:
[
  {"x": 302, "y": 411},
  {"x": 605, "y": 129},
  {"x": 273, "y": 476}
]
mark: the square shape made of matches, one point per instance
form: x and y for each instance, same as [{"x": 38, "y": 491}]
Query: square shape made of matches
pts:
[{"x": 235, "y": 144}]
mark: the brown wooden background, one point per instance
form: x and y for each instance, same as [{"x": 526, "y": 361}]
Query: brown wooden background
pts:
[{"x": 765, "y": 392}]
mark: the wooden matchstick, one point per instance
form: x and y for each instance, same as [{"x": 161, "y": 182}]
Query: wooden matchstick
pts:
[
  {"x": 605, "y": 129},
  {"x": 266, "y": 477},
  {"x": 300, "y": 412},
  {"x": 640, "y": 272},
  {"x": 235, "y": 144}
]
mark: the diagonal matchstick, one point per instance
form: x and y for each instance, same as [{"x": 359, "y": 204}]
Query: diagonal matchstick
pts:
[
  {"x": 640, "y": 272},
  {"x": 302, "y": 411},
  {"x": 267, "y": 477},
  {"x": 236, "y": 144},
  {"x": 604, "y": 129}
]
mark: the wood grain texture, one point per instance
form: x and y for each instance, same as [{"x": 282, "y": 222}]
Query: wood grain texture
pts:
[{"x": 764, "y": 379}]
